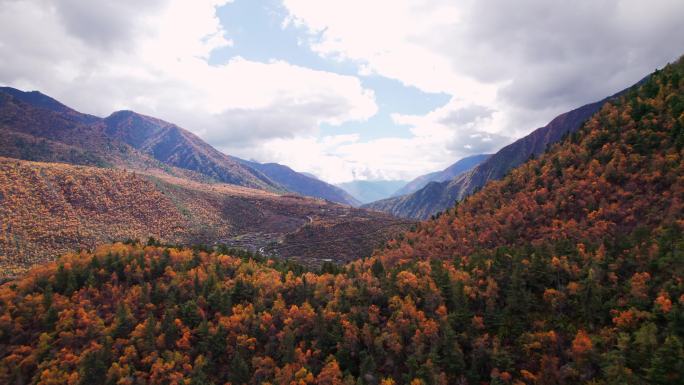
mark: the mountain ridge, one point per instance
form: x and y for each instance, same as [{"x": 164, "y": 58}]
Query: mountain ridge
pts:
[
  {"x": 53, "y": 208},
  {"x": 178, "y": 147},
  {"x": 302, "y": 183},
  {"x": 568, "y": 270},
  {"x": 439, "y": 196},
  {"x": 125, "y": 139},
  {"x": 371, "y": 190},
  {"x": 454, "y": 170}
]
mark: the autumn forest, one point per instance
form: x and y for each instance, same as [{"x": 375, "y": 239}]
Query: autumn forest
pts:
[{"x": 568, "y": 270}]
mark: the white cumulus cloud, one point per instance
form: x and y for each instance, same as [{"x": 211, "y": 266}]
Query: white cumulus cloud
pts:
[
  {"x": 152, "y": 57},
  {"x": 509, "y": 66}
]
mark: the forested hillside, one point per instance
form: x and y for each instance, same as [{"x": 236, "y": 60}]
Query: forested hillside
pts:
[
  {"x": 567, "y": 271},
  {"x": 436, "y": 197},
  {"x": 47, "y": 209},
  {"x": 36, "y": 127}
]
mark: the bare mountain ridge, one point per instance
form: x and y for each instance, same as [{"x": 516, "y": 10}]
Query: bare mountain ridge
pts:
[
  {"x": 456, "y": 169},
  {"x": 175, "y": 146},
  {"x": 302, "y": 183},
  {"x": 38, "y": 127},
  {"x": 439, "y": 196}
]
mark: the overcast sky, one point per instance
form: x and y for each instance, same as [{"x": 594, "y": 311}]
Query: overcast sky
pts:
[{"x": 343, "y": 89}]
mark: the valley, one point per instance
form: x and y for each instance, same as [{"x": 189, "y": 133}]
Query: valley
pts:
[
  {"x": 50, "y": 208},
  {"x": 567, "y": 270},
  {"x": 341, "y": 193}
]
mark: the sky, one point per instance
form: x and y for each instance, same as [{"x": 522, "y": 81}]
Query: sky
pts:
[{"x": 343, "y": 89}]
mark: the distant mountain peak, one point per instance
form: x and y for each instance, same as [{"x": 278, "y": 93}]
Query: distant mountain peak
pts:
[
  {"x": 302, "y": 183},
  {"x": 40, "y": 100},
  {"x": 371, "y": 190},
  {"x": 48, "y": 130},
  {"x": 432, "y": 199},
  {"x": 35, "y": 98},
  {"x": 461, "y": 166}
]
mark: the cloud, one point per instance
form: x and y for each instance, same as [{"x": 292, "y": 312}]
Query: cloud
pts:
[
  {"x": 103, "y": 24},
  {"x": 152, "y": 57},
  {"x": 341, "y": 158},
  {"x": 390, "y": 38},
  {"x": 283, "y": 101},
  {"x": 564, "y": 53},
  {"x": 528, "y": 60},
  {"x": 508, "y": 67},
  {"x": 436, "y": 140},
  {"x": 466, "y": 115},
  {"x": 460, "y": 129}
]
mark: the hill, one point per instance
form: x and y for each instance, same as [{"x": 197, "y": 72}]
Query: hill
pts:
[
  {"x": 301, "y": 183},
  {"x": 39, "y": 128},
  {"x": 56, "y": 134},
  {"x": 574, "y": 260},
  {"x": 371, "y": 190},
  {"x": 456, "y": 169},
  {"x": 567, "y": 271},
  {"x": 438, "y": 196},
  {"x": 180, "y": 148},
  {"x": 48, "y": 209},
  {"x": 39, "y": 100}
]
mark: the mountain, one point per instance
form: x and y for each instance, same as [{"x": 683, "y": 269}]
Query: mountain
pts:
[
  {"x": 153, "y": 179},
  {"x": 47, "y": 209},
  {"x": 37, "y": 127},
  {"x": 301, "y": 183},
  {"x": 44, "y": 134},
  {"x": 310, "y": 175},
  {"x": 570, "y": 266},
  {"x": 566, "y": 271},
  {"x": 43, "y": 101},
  {"x": 177, "y": 147},
  {"x": 371, "y": 190},
  {"x": 621, "y": 172},
  {"x": 438, "y": 196},
  {"x": 456, "y": 169}
]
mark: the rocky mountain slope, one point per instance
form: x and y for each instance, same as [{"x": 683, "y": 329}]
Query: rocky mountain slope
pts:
[
  {"x": 456, "y": 169},
  {"x": 47, "y": 209},
  {"x": 37, "y": 127},
  {"x": 439, "y": 196},
  {"x": 566, "y": 271},
  {"x": 301, "y": 183},
  {"x": 180, "y": 148}
]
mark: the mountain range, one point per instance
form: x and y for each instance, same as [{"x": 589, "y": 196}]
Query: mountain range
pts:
[
  {"x": 566, "y": 270},
  {"x": 49, "y": 209},
  {"x": 439, "y": 196},
  {"x": 40, "y": 128},
  {"x": 302, "y": 183},
  {"x": 367, "y": 191},
  {"x": 456, "y": 169},
  {"x": 70, "y": 181}
]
